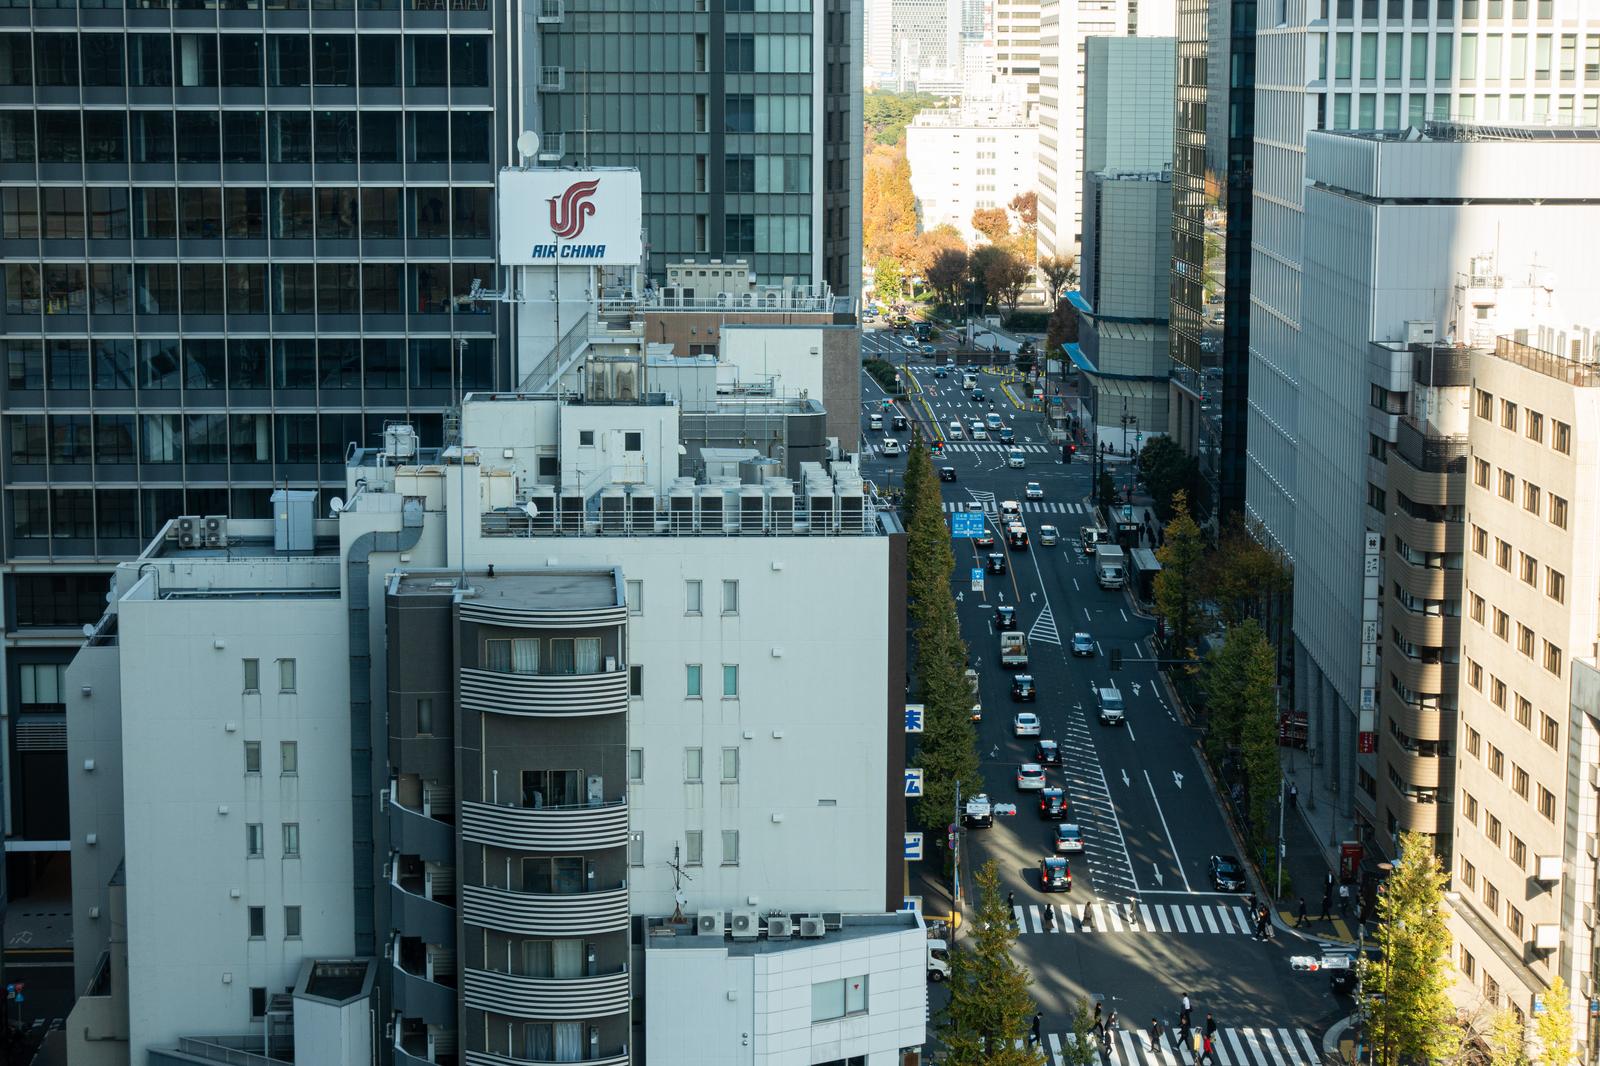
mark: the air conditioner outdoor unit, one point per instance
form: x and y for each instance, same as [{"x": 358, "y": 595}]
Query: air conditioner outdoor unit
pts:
[
  {"x": 779, "y": 928},
  {"x": 189, "y": 535},
  {"x": 215, "y": 530},
  {"x": 708, "y": 923},
  {"x": 745, "y": 925},
  {"x": 812, "y": 927}
]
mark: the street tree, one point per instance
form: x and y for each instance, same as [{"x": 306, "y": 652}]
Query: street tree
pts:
[
  {"x": 888, "y": 208},
  {"x": 1106, "y": 492},
  {"x": 1083, "y": 1049},
  {"x": 917, "y": 252},
  {"x": 888, "y": 283},
  {"x": 1553, "y": 1026},
  {"x": 1058, "y": 271},
  {"x": 992, "y": 222},
  {"x": 1168, "y": 470},
  {"x": 1406, "y": 990},
  {"x": 1061, "y": 329},
  {"x": 987, "y": 1020},
  {"x": 947, "y": 275},
  {"x": 1241, "y": 686},
  {"x": 1005, "y": 275},
  {"x": 1179, "y": 583},
  {"x": 1504, "y": 1040}
]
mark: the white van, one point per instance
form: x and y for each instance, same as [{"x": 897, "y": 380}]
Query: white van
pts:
[
  {"x": 1015, "y": 460},
  {"x": 891, "y": 446},
  {"x": 969, "y": 381},
  {"x": 875, "y": 421}
]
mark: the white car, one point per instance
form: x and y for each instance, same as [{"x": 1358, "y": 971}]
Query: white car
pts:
[
  {"x": 1034, "y": 491},
  {"x": 978, "y": 432},
  {"x": 956, "y": 432},
  {"x": 891, "y": 446},
  {"x": 1025, "y": 724},
  {"x": 1010, "y": 508},
  {"x": 1048, "y": 535},
  {"x": 1030, "y": 777},
  {"x": 1015, "y": 459}
]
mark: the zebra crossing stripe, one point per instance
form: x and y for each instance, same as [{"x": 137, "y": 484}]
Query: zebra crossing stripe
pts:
[
  {"x": 1254, "y": 1043},
  {"x": 1227, "y": 920},
  {"x": 1211, "y": 920},
  {"x": 1055, "y": 1046},
  {"x": 1177, "y": 920},
  {"x": 1145, "y": 918},
  {"x": 1305, "y": 1042},
  {"x": 1033, "y": 917},
  {"x": 1242, "y": 918},
  {"x": 1111, "y": 918},
  {"x": 1194, "y": 920}
]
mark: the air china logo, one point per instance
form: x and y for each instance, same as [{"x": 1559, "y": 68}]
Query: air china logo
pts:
[{"x": 571, "y": 209}]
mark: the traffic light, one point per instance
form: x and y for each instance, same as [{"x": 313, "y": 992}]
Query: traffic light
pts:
[{"x": 1116, "y": 659}]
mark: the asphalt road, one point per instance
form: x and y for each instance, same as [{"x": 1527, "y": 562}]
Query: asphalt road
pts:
[{"x": 1142, "y": 924}]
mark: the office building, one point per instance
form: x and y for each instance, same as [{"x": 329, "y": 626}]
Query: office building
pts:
[
  {"x": 1064, "y": 27},
  {"x": 1530, "y": 705},
  {"x": 982, "y": 154},
  {"x": 1122, "y": 298},
  {"x": 530, "y": 809},
  {"x": 1016, "y": 41},
  {"x": 1448, "y": 237}
]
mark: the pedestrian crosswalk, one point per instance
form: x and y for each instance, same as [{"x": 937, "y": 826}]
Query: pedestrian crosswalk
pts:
[
  {"x": 1263, "y": 1046},
  {"x": 993, "y": 446},
  {"x": 1029, "y": 507},
  {"x": 1073, "y": 918}
]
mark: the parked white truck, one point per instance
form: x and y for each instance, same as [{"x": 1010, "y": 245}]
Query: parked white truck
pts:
[
  {"x": 1013, "y": 650},
  {"x": 1111, "y": 566}
]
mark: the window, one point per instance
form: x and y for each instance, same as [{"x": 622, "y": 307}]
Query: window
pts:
[
  {"x": 636, "y": 848},
  {"x": 691, "y": 597},
  {"x": 635, "y": 594},
  {"x": 1484, "y": 403},
  {"x": 291, "y": 840},
  {"x": 291, "y": 923},
  {"x": 1561, "y": 438},
  {"x": 1475, "y": 674},
  {"x": 258, "y": 1003},
  {"x": 1497, "y": 694},
  {"x": 692, "y": 681},
  {"x": 425, "y": 716},
  {"x": 1477, "y": 608},
  {"x": 730, "y": 764},
  {"x": 633, "y": 442},
  {"x": 635, "y": 764},
  {"x": 285, "y": 675},
  {"x": 1519, "y": 784},
  {"x": 730, "y": 597},
  {"x": 289, "y": 756},
  {"x": 838, "y": 999},
  {"x": 1530, "y": 569},
  {"x": 1469, "y": 875},
  {"x": 730, "y": 847},
  {"x": 1530, "y": 497},
  {"x": 1491, "y": 895},
  {"x": 1524, "y": 711},
  {"x": 1497, "y": 762},
  {"x": 258, "y": 922},
  {"x": 694, "y": 847},
  {"x": 1558, "y": 511},
  {"x": 1491, "y": 829},
  {"x": 253, "y": 843},
  {"x": 1469, "y": 805},
  {"x": 1508, "y": 485},
  {"x": 1552, "y": 658},
  {"x": 636, "y": 681},
  {"x": 1550, "y": 731},
  {"x": 1502, "y": 624},
  {"x": 1533, "y": 426},
  {"x": 1469, "y": 965},
  {"x": 42, "y": 685},
  {"x": 1480, "y": 541},
  {"x": 1502, "y": 554},
  {"x": 693, "y": 758},
  {"x": 1474, "y": 741},
  {"x": 1480, "y": 473},
  {"x": 730, "y": 681},
  {"x": 1555, "y": 585},
  {"x": 1547, "y": 803},
  {"x": 1508, "y": 414},
  {"x": 1519, "y": 852},
  {"x": 252, "y": 756}
]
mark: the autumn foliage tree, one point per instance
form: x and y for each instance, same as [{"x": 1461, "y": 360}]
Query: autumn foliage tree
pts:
[
  {"x": 1058, "y": 271},
  {"x": 947, "y": 275},
  {"x": 992, "y": 222},
  {"x": 888, "y": 208}
]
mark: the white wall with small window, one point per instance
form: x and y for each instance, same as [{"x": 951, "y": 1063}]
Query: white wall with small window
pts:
[{"x": 859, "y": 991}]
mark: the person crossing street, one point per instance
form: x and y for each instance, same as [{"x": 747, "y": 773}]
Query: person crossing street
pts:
[{"x": 1155, "y": 1033}]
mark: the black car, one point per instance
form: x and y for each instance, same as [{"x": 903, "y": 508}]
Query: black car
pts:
[
  {"x": 899, "y": 421},
  {"x": 1054, "y": 874},
  {"x": 978, "y": 396},
  {"x": 1007, "y": 434},
  {"x": 986, "y": 540},
  {"x": 1053, "y": 805},
  {"x": 997, "y": 563},
  {"x": 1227, "y": 873},
  {"x": 1047, "y": 752},
  {"x": 947, "y": 473},
  {"x": 1022, "y": 690},
  {"x": 1005, "y": 618}
]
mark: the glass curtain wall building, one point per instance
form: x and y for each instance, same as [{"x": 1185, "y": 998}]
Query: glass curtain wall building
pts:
[{"x": 236, "y": 239}]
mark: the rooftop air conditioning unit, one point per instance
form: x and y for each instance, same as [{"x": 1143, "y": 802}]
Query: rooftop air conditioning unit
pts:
[
  {"x": 708, "y": 923},
  {"x": 812, "y": 927},
  {"x": 745, "y": 925},
  {"x": 215, "y": 530},
  {"x": 189, "y": 535},
  {"x": 779, "y": 928}
]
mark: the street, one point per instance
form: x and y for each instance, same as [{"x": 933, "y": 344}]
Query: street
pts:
[{"x": 1142, "y": 925}]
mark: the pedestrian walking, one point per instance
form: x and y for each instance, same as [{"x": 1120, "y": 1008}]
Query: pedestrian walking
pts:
[
  {"x": 1155, "y": 1033},
  {"x": 1038, "y": 1020},
  {"x": 1106, "y": 1032},
  {"x": 1099, "y": 1021},
  {"x": 1327, "y": 902},
  {"x": 1183, "y": 1030},
  {"x": 1344, "y": 901},
  {"x": 1211, "y": 1026},
  {"x": 1300, "y": 916},
  {"x": 1185, "y": 1005},
  {"x": 1209, "y": 1054},
  {"x": 1011, "y": 900},
  {"x": 1252, "y": 904},
  {"x": 1050, "y": 918},
  {"x": 1294, "y": 796}
]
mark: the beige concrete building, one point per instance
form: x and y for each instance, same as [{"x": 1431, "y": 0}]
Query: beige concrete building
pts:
[{"x": 1525, "y": 829}]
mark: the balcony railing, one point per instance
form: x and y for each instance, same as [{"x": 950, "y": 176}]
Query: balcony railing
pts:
[
  {"x": 569, "y": 999},
  {"x": 1436, "y": 455},
  {"x": 415, "y": 833},
  {"x": 561, "y": 695},
  {"x": 619, "y": 1057},
  {"x": 1551, "y": 365},
  {"x": 544, "y": 829},
  {"x": 539, "y": 914}
]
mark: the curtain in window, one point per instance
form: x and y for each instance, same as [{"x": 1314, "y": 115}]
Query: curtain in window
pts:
[
  {"x": 525, "y": 656},
  {"x": 569, "y": 1041},
  {"x": 561, "y": 657},
  {"x": 536, "y": 958},
  {"x": 568, "y": 957},
  {"x": 497, "y": 655},
  {"x": 568, "y": 874},
  {"x": 588, "y": 655},
  {"x": 537, "y": 1041}
]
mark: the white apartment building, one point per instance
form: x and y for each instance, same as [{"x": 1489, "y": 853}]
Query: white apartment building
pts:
[
  {"x": 1016, "y": 40},
  {"x": 1064, "y": 26},
  {"x": 1526, "y": 813},
  {"x": 968, "y": 158},
  {"x": 1397, "y": 227}
]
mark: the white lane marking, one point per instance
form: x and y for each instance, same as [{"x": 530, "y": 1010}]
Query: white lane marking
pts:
[{"x": 1177, "y": 860}]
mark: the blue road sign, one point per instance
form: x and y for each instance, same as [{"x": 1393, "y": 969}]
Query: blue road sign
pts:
[
  {"x": 914, "y": 713},
  {"x": 967, "y": 524},
  {"x": 913, "y": 782},
  {"x": 977, "y": 579},
  {"x": 913, "y": 847}
]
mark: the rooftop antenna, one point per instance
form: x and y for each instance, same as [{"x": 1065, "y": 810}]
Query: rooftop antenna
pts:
[
  {"x": 527, "y": 147},
  {"x": 678, "y": 877},
  {"x": 586, "y": 119}
]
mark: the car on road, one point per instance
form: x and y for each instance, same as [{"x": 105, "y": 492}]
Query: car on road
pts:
[
  {"x": 891, "y": 446},
  {"x": 1053, "y": 804},
  {"x": 900, "y": 422},
  {"x": 1017, "y": 536},
  {"x": 1033, "y": 491},
  {"x": 978, "y": 813},
  {"x": 977, "y": 712},
  {"x": 1022, "y": 691},
  {"x": 1049, "y": 535},
  {"x": 1005, "y": 617},
  {"x": 1091, "y": 536},
  {"x": 1083, "y": 645},
  {"x": 947, "y": 473},
  {"x": 997, "y": 563},
  {"x": 1030, "y": 777},
  {"x": 940, "y": 372},
  {"x": 1054, "y": 874},
  {"x": 978, "y": 432},
  {"x": 875, "y": 421},
  {"x": 1010, "y": 509},
  {"x": 1047, "y": 752},
  {"x": 1227, "y": 873},
  {"x": 985, "y": 540},
  {"x": 1015, "y": 459},
  {"x": 1025, "y": 724},
  {"x": 1007, "y": 435},
  {"x": 1069, "y": 838},
  {"x": 1112, "y": 711},
  {"x": 955, "y": 431},
  {"x": 978, "y": 396},
  {"x": 928, "y": 349},
  {"x": 974, "y": 505},
  {"x": 992, "y": 420}
]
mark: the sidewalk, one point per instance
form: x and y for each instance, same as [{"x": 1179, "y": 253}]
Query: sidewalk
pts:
[{"x": 1307, "y": 862}]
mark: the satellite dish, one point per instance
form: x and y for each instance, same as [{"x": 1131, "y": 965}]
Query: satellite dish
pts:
[
  {"x": 681, "y": 898},
  {"x": 336, "y": 505},
  {"x": 527, "y": 143},
  {"x": 530, "y": 509},
  {"x": 682, "y": 450},
  {"x": 88, "y": 629}
]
